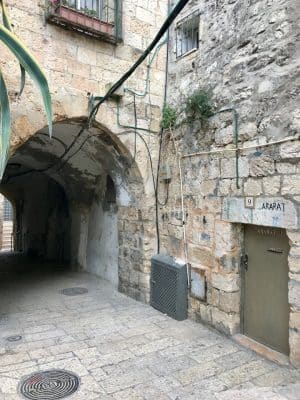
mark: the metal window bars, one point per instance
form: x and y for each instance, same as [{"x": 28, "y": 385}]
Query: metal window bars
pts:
[
  {"x": 98, "y": 18},
  {"x": 8, "y": 214},
  {"x": 187, "y": 34}
]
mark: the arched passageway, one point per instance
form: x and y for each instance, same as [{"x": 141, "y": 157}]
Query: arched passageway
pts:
[{"x": 71, "y": 194}]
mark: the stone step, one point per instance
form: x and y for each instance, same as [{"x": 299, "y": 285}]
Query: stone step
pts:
[{"x": 7, "y": 230}]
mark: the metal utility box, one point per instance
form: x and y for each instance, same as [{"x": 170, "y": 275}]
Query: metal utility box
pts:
[
  {"x": 165, "y": 173},
  {"x": 169, "y": 290}
]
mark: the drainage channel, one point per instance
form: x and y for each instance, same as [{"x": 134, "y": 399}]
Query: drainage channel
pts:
[{"x": 49, "y": 385}]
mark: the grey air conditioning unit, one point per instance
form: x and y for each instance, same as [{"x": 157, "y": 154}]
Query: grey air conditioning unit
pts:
[{"x": 169, "y": 287}]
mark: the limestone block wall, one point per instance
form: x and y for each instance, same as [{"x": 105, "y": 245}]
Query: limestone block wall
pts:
[
  {"x": 247, "y": 60},
  {"x": 77, "y": 67}
]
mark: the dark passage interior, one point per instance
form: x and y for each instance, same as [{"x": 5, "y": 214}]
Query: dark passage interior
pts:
[{"x": 42, "y": 217}]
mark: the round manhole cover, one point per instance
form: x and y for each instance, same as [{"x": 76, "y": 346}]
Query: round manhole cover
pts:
[
  {"x": 49, "y": 385},
  {"x": 14, "y": 338},
  {"x": 74, "y": 291}
]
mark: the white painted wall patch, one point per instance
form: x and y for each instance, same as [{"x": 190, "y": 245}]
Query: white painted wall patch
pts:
[{"x": 276, "y": 212}]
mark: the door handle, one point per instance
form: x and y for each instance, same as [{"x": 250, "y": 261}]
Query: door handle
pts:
[
  {"x": 277, "y": 251},
  {"x": 244, "y": 261}
]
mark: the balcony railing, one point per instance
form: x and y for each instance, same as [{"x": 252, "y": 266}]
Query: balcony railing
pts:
[{"x": 97, "y": 18}]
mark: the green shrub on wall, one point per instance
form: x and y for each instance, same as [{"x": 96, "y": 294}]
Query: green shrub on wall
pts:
[
  {"x": 199, "y": 105},
  {"x": 169, "y": 117}
]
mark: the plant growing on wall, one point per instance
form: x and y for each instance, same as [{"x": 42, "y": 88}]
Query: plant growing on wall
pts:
[
  {"x": 28, "y": 64},
  {"x": 169, "y": 117},
  {"x": 199, "y": 105}
]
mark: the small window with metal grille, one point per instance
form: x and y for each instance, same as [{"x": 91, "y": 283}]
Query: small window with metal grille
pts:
[{"x": 187, "y": 34}]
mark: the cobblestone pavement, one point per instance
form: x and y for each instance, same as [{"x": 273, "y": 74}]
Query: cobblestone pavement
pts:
[{"x": 122, "y": 349}]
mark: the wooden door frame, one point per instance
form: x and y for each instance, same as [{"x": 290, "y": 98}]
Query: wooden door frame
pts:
[{"x": 242, "y": 275}]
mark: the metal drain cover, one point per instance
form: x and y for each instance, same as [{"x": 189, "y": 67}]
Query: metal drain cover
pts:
[
  {"x": 49, "y": 385},
  {"x": 14, "y": 338},
  {"x": 74, "y": 291}
]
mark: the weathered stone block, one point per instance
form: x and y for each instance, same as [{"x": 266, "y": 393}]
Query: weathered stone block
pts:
[
  {"x": 265, "y": 86},
  {"x": 201, "y": 255},
  {"x": 271, "y": 185},
  {"x": 224, "y": 187},
  {"x": 213, "y": 297},
  {"x": 228, "y": 167},
  {"x": 205, "y": 313},
  {"x": 262, "y": 166},
  {"x": 144, "y": 281},
  {"x": 294, "y": 293},
  {"x": 227, "y": 283},
  {"x": 294, "y": 238},
  {"x": 294, "y": 340},
  {"x": 247, "y": 131},
  {"x": 210, "y": 205},
  {"x": 294, "y": 264},
  {"x": 226, "y": 238},
  {"x": 208, "y": 188},
  {"x": 290, "y": 150},
  {"x": 295, "y": 251},
  {"x": 286, "y": 168},
  {"x": 295, "y": 319},
  {"x": 291, "y": 184},
  {"x": 230, "y": 262},
  {"x": 224, "y": 135},
  {"x": 230, "y": 302},
  {"x": 224, "y": 322},
  {"x": 253, "y": 187}
]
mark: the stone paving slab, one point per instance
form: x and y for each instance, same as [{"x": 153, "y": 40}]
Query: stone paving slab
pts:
[{"x": 125, "y": 350}]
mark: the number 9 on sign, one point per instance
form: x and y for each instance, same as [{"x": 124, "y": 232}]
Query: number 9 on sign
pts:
[{"x": 249, "y": 202}]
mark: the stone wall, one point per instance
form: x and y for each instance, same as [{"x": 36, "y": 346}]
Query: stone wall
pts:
[
  {"x": 247, "y": 60},
  {"x": 78, "y": 66}
]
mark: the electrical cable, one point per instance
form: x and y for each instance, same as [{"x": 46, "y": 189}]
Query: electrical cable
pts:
[
  {"x": 148, "y": 151},
  {"x": 161, "y": 133},
  {"x": 135, "y": 125},
  {"x": 57, "y": 162},
  {"x": 164, "y": 28},
  {"x": 151, "y": 59},
  {"x": 131, "y": 126},
  {"x": 185, "y": 247},
  {"x": 82, "y": 129},
  {"x": 54, "y": 138},
  {"x": 171, "y": 17}
]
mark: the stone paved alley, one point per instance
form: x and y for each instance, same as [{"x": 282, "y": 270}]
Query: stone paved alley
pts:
[{"x": 122, "y": 349}]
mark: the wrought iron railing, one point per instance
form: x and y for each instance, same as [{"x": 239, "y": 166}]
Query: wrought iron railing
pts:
[{"x": 97, "y": 18}]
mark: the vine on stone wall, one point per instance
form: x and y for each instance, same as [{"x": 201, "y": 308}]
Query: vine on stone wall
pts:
[{"x": 169, "y": 117}]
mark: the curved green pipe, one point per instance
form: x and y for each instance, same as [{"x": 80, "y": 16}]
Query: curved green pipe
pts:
[{"x": 236, "y": 138}]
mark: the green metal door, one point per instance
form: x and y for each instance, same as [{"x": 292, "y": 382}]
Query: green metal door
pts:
[{"x": 265, "y": 286}]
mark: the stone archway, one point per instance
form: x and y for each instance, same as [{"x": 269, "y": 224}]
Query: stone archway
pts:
[{"x": 100, "y": 187}]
